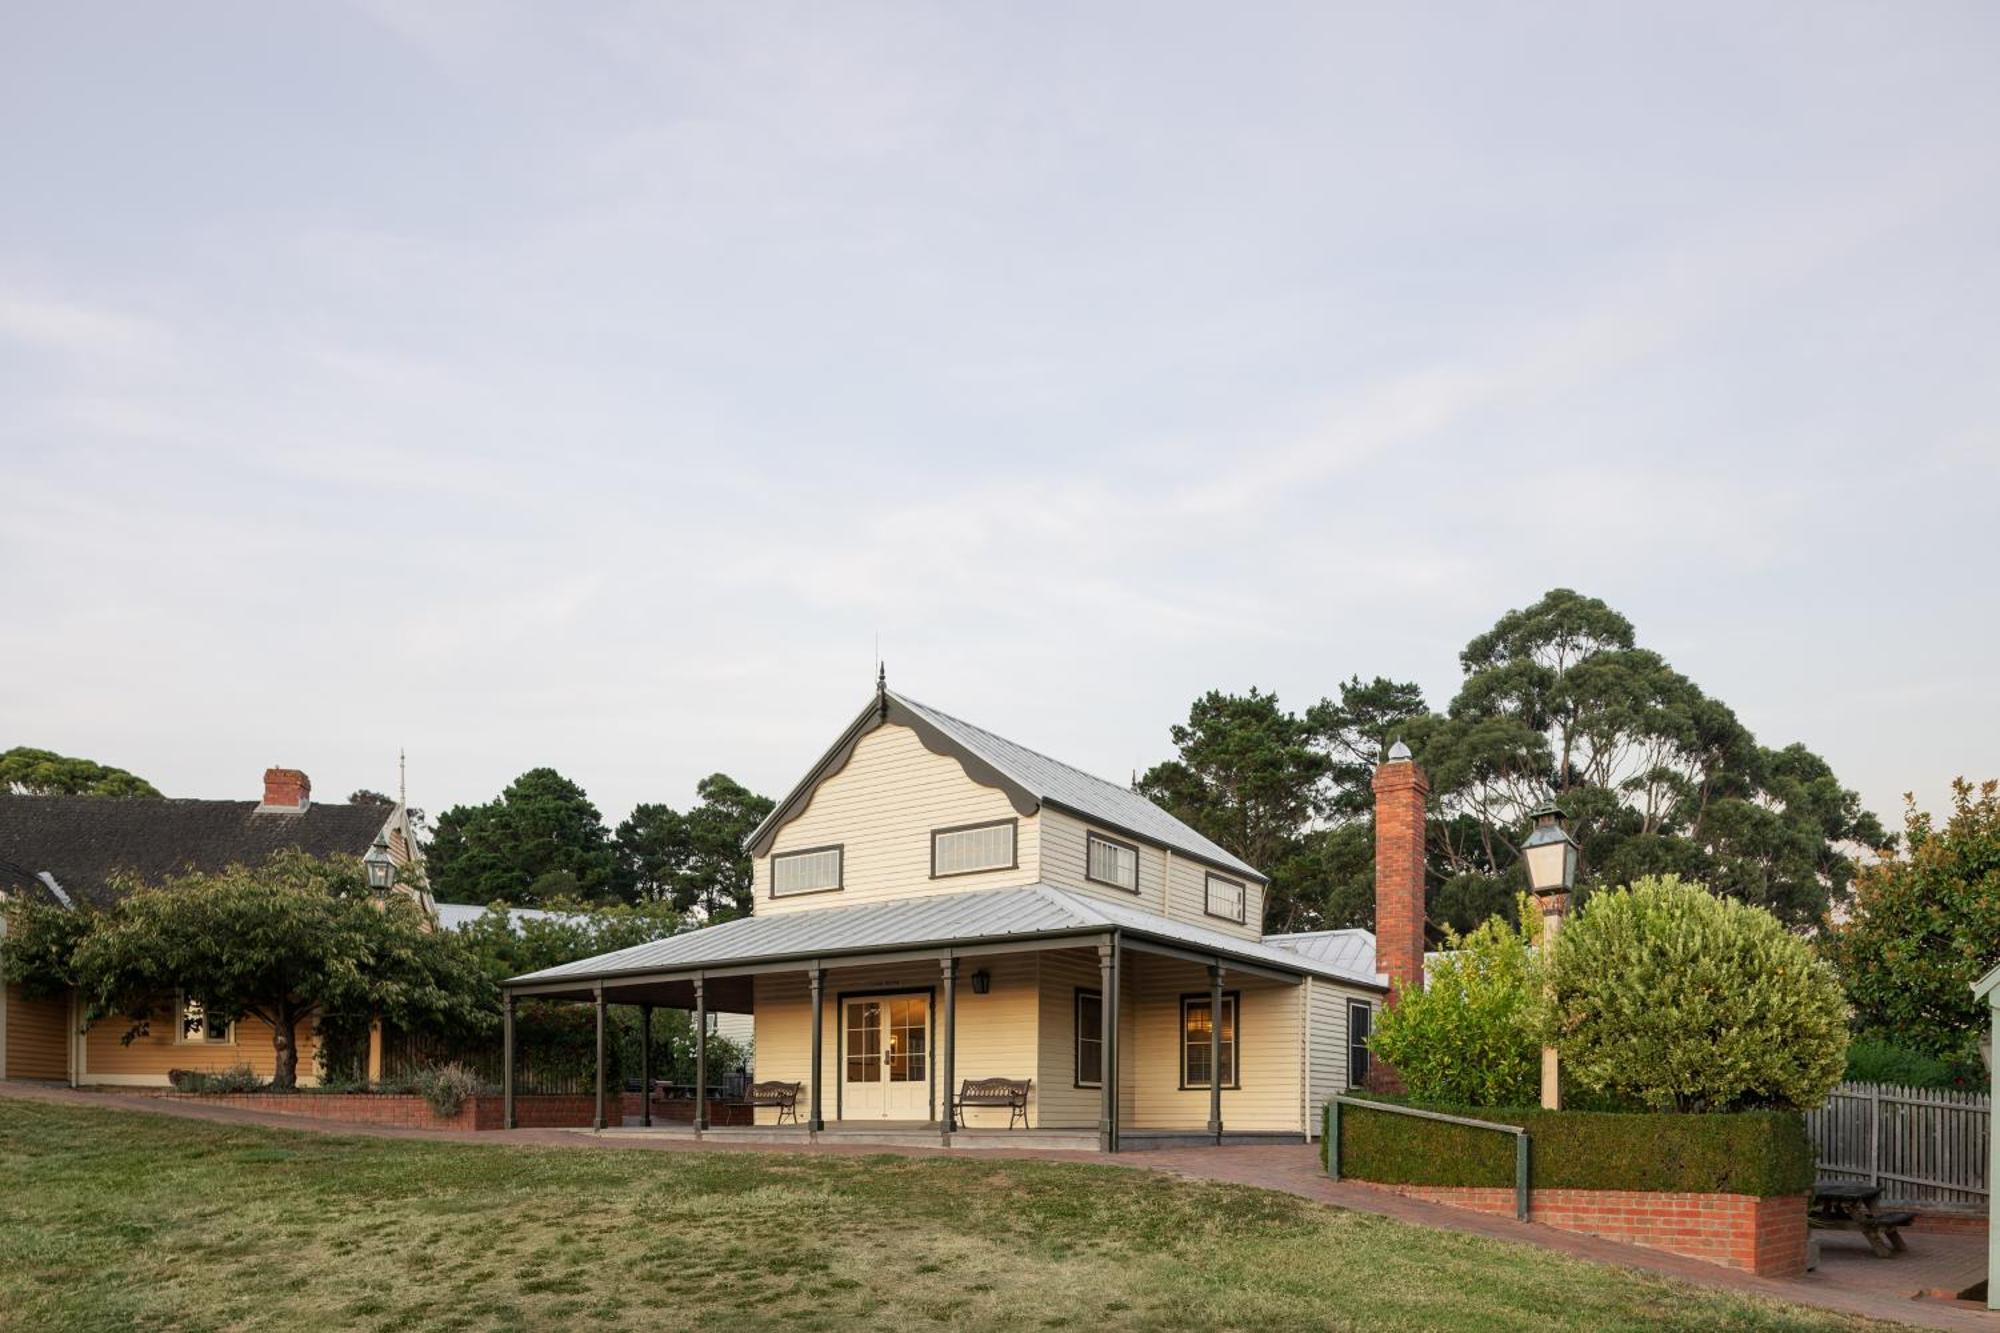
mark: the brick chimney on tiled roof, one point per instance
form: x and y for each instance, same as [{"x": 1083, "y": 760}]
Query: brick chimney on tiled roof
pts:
[
  {"x": 286, "y": 789},
  {"x": 1400, "y": 789}
]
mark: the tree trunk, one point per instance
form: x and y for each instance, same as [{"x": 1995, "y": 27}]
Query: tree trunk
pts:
[{"x": 285, "y": 1065}]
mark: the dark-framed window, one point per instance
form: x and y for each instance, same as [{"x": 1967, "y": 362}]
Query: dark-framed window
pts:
[
  {"x": 1109, "y": 861},
  {"x": 1195, "y": 1018},
  {"x": 1226, "y": 898},
  {"x": 809, "y": 870},
  {"x": 968, "y": 849},
  {"x": 1360, "y": 1024},
  {"x": 1089, "y": 1039}
]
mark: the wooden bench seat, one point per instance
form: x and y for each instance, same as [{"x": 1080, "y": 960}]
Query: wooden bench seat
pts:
[{"x": 1011, "y": 1093}]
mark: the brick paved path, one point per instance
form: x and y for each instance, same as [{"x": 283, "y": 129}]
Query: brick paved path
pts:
[{"x": 1848, "y": 1280}]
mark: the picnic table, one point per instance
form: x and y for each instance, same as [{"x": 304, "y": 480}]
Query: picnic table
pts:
[{"x": 1847, "y": 1205}]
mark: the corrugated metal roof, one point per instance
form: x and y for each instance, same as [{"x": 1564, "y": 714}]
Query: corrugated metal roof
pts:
[
  {"x": 457, "y": 916},
  {"x": 934, "y": 919},
  {"x": 1349, "y": 950},
  {"x": 1073, "y": 789}
]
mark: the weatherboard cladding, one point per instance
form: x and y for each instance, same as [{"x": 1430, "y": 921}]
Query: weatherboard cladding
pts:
[
  {"x": 1028, "y": 778},
  {"x": 932, "y": 920},
  {"x": 1072, "y": 789}
]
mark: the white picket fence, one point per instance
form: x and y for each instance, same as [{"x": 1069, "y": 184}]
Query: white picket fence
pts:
[{"x": 1921, "y": 1145}]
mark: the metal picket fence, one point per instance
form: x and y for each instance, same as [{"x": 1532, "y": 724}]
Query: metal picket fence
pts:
[{"x": 1921, "y": 1145}]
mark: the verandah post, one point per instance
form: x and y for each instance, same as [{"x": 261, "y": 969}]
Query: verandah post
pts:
[
  {"x": 507, "y": 1061},
  {"x": 1107, "y": 1010},
  {"x": 949, "y": 968},
  {"x": 1215, "y": 1050},
  {"x": 818, "y": 979},
  {"x": 598, "y": 1120},
  {"x": 700, "y": 1057},
  {"x": 646, "y": 1065}
]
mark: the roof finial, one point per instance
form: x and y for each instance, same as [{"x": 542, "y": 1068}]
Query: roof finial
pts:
[
  {"x": 402, "y": 777},
  {"x": 882, "y": 689}
]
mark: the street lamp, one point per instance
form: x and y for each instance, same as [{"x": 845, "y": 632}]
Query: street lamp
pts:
[
  {"x": 381, "y": 870},
  {"x": 1550, "y": 856}
]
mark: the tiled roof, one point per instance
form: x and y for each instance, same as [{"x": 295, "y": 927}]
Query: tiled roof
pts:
[
  {"x": 86, "y": 842},
  {"x": 1074, "y": 790},
  {"x": 1039, "y": 910}
]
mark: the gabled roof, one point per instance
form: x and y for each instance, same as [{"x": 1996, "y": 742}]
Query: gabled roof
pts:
[
  {"x": 1985, "y": 986},
  {"x": 1030, "y": 779},
  {"x": 85, "y": 842},
  {"x": 986, "y": 915}
]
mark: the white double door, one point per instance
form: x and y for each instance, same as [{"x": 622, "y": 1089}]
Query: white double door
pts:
[{"x": 886, "y": 1058}]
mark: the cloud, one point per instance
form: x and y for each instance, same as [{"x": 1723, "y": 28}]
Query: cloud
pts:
[{"x": 64, "y": 326}]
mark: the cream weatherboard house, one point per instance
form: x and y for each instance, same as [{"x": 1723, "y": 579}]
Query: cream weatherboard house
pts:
[{"x": 935, "y": 904}]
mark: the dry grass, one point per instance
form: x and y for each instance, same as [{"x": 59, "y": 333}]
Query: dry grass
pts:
[{"x": 117, "y": 1220}]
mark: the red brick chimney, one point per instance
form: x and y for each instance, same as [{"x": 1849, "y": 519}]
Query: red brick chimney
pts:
[
  {"x": 286, "y": 789},
  {"x": 1400, "y": 788}
]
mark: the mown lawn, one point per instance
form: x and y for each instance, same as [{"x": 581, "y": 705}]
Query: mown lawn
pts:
[{"x": 115, "y": 1220}]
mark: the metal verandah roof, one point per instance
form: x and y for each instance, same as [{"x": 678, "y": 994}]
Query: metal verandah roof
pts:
[{"x": 934, "y": 920}]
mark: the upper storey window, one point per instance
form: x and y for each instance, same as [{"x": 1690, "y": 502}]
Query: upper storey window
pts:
[
  {"x": 1226, "y": 898},
  {"x": 1111, "y": 862},
  {"x": 814, "y": 870},
  {"x": 961, "y": 851}
]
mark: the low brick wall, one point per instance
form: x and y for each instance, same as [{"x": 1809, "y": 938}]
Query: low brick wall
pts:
[
  {"x": 1763, "y": 1236},
  {"x": 1947, "y": 1222},
  {"x": 409, "y": 1111}
]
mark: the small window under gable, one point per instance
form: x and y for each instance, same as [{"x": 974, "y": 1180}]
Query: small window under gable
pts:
[
  {"x": 1108, "y": 861},
  {"x": 814, "y": 870},
  {"x": 1226, "y": 898},
  {"x": 975, "y": 847}
]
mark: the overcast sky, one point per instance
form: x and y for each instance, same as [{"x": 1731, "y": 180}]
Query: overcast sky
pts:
[{"x": 592, "y": 385}]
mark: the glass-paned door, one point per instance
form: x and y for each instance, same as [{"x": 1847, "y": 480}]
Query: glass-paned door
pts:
[{"x": 886, "y": 1058}]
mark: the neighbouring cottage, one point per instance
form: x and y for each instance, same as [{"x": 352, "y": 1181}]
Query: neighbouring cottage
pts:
[
  {"x": 79, "y": 849},
  {"x": 935, "y": 904}
]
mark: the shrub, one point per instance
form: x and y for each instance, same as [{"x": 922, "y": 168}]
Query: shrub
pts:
[
  {"x": 446, "y": 1087},
  {"x": 1679, "y": 1000},
  {"x": 1874, "y": 1060},
  {"x": 1762, "y": 1153},
  {"x": 236, "y": 1078},
  {"x": 1470, "y": 1036}
]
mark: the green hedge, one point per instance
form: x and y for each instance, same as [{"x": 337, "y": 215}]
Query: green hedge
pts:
[{"x": 1761, "y": 1153}]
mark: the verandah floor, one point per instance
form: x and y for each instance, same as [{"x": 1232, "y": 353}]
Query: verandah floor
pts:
[{"x": 930, "y": 1134}]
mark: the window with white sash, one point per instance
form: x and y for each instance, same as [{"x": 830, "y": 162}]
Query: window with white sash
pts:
[
  {"x": 1226, "y": 898},
  {"x": 1112, "y": 862},
  {"x": 814, "y": 870},
  {"x": 974, "y": 847}
]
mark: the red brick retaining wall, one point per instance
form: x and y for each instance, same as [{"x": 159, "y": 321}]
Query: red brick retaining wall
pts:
[
  {"x": 409, "y": 1111},
  {"x": 1763, "y": 1236}
]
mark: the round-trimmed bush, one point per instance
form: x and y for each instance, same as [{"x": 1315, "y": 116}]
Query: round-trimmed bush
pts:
[{"x": 1670, "y": 997}]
